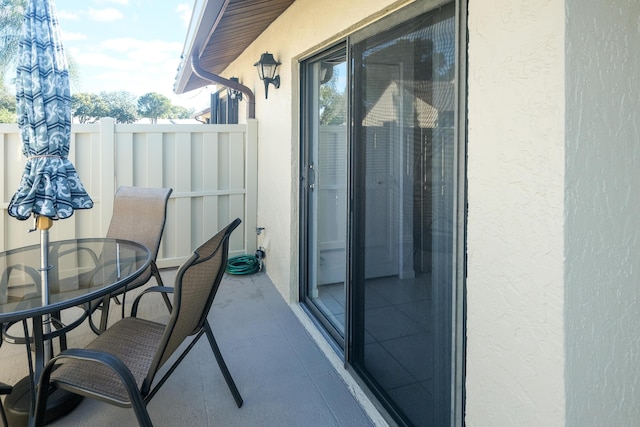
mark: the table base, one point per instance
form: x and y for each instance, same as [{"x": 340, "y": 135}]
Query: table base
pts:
[{"x": 17, "y": 404}]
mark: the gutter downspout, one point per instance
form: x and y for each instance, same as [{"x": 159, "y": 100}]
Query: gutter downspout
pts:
[{"x": 205, "y": 75}]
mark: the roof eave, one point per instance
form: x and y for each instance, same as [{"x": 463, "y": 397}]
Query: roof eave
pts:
[
  {"x": 219, "y": 32},
  {"x": 208, "y": 11}
]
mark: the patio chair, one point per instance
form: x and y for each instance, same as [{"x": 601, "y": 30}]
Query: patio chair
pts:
[
  {"x": 120, "y": 365},
  {"x": 139, "y": 214}
]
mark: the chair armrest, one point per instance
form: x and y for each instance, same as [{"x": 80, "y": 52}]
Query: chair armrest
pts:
[
  {"x": 104, "y": 358},
  {"x": 164, "y": 290},
  {"x": 5, "y": 388},
  {"x": 75, "y": 252},
  {"x": 155, "y": 272},
  {"x": 31, "y": 272}
]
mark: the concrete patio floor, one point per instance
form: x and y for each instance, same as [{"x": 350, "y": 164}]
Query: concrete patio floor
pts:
[{"x": 284, "y": 376}]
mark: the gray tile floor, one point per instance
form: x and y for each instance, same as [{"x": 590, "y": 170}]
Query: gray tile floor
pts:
[
  {"x": 398, "y": 338},
  {"x": 282, "y": 374}
]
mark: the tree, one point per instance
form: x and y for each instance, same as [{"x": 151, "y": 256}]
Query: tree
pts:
[
  {"x": 7, "y": 116},
  {"x": 74, "y": 72},
  {"x": 333, "y": 104},
  {"x": 7, "y": 106},
  {"x": 121, "y": 105},
  {"x": 88, "y": 107},
  {"x": 11, "y": 17},
  {"x": 154, "y": 105},
  {"x": 180, "y": 112},
  {"x": 11, "y": 14}
]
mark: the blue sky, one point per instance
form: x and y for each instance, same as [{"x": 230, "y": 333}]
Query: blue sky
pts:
[{"x": 131, "y": 45}]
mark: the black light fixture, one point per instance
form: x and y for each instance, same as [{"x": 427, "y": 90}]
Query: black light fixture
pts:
[
  {"x": 232, "y": 93},
  {"x": 267, "y": 67}
]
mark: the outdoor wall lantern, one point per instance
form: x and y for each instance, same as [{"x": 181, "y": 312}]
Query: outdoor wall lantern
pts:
[
  {"x": 232, "y": 93},
  {"x": 267, "y": 67}
]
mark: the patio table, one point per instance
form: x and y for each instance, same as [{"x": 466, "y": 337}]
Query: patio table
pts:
[{"x": 80, "y": 271}]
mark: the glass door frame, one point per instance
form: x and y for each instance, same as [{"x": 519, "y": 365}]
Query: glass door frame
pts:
[
  {"x": 458, "y": 309},
  {"x": 337, "y": 339}
]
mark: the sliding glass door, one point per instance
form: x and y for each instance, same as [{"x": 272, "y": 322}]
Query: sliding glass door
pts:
[
  {"x": 380, "y": 208},
  {"x": 404, "y": 215},
  {"x": 324, "y": 187}
]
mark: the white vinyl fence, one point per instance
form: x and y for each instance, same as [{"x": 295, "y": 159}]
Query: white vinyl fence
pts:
[{"x": 211, "y": 168}]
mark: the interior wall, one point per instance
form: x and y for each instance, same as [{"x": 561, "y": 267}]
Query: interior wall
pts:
[
  {"x": 515, "y": 295},
  {"x": 602, "y": 220}
]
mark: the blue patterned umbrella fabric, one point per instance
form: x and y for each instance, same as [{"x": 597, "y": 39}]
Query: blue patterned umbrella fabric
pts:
[{"x": 50, "y": 185}]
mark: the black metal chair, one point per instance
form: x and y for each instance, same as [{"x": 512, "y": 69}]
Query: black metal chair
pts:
[{"x": 120, "y": 365}]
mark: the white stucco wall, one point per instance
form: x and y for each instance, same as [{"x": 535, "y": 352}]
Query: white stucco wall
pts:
[
  {"x": 602, "y": 220},
  {"x": 515, "y": 353},
  {"x": 553, "y": 256}
]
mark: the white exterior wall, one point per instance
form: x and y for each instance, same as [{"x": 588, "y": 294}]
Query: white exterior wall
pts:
[
  {"x": 551, "y": 322},
  {"x": 515, "y": 354},
  {"x": 602, "y": 222}
]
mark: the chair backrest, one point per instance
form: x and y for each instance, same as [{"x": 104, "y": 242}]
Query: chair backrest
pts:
[
  {"x": 196, "y": 283},
  {"x": 139, "y": 214}
]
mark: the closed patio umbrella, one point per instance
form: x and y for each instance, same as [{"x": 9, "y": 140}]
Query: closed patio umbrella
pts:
[{"x": 50, "y": 187}]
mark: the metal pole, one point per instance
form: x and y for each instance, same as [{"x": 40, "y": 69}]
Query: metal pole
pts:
[{"x": 44, "y": 223}]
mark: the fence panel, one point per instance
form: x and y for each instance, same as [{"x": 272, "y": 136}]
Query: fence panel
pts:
[{"x": 211, "y": 168}]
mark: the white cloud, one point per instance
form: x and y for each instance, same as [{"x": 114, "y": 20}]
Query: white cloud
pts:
[
  {"x": 67, "y": 36},
  {"x": 121, "y": 2},
  {"x": 140, "y": 79},
  {"x": 136, "y": 61},
  {"x": 152, "y": 51},
  {"x": 105, "y": 61},
  {"x": 105, "y": 15},
  {"x": 141, "y": 66},
  {"x": 123, "y": 44},
  {"x": 138, "y": 82},
  {"x": 184, "y": 12},
  {"x": 71, "y": 16}
]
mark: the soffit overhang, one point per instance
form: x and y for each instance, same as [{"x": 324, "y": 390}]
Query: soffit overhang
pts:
[{"x": 220, "y": 30}]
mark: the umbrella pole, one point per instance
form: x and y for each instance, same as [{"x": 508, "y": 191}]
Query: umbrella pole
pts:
[{"x": 44, "y": 223}]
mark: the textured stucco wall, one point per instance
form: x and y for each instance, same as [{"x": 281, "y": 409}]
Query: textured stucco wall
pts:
[
  {"x": 602, "y": 220},
  {"x": 515, "y": 353},
  {"x": 553, "y": 243},
  {"x": 305, "y": 26}
]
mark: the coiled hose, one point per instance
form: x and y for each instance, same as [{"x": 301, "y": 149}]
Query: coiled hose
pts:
[{"x": 243, "y": 264}]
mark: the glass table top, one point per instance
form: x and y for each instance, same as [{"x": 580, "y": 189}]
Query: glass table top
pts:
[{"x": 79, "y": 270}]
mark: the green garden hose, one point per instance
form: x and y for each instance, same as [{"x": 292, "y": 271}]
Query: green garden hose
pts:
[{"x": 243, "y": 264}]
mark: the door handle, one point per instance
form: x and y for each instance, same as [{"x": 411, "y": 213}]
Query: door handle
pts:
[{"x": 312, "y": 177}]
